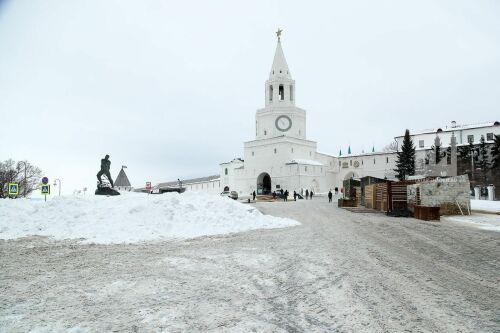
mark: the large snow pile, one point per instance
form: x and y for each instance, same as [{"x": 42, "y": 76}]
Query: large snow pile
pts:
[
  {"x": 486, "y": 205},
  {"x": 131, "y": 217}
]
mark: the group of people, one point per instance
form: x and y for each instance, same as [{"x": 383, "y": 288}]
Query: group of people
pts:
[{"x": 309, "y": 194}]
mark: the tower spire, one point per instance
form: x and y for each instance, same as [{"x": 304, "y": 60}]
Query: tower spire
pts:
[
  {"x": 278, "y": 34},
  {"x": 280, "y": 67}
]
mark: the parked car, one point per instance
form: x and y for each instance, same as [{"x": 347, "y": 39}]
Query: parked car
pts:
[{"x": 230, "y": 194}]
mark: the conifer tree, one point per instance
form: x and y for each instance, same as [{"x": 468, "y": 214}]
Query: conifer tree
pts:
[
  {"x": 405, "y": 162},
  {"x": 483, "y": 162},
  {"x": 495, "y": 153},
  {"x": 437, "y": 151}
]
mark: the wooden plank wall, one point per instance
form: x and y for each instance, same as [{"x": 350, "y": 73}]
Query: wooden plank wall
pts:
[
  {"x": 381, "y": 197},
  {"x": 370, "y": 196}
]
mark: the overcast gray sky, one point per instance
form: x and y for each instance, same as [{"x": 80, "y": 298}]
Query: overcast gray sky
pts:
[{"x": 170, "y": 88}]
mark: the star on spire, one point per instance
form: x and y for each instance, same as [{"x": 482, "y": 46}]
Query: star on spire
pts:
[{"x": 278, "y": 33}]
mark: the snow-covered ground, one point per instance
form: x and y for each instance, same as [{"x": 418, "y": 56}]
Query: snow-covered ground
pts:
[
  {"x": 486, "y": 205},
  {"x": 482, "y": 221},
  {"x": 131, "y": 217}
]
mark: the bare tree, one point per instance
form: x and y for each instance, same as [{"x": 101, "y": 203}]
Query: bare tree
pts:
[
  {"x": 391, "y": 147},
  {"x": 22, "y": 172}
]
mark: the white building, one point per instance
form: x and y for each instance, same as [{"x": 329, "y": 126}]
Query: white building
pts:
[
  {"x": 281, "y": 156},
  {"x": 424, "y": 139}
]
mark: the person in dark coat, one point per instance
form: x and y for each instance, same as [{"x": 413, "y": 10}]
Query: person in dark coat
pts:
[
  {"x": 294, "y": 196},
  {"x": 274, "y": 195},
  {"x": 307, "y": 194},
  {"x": 311, "y": 195},
  {"x": 336, "y": 190},
  {"x": 330, "y": 195},
  {"x": 286, "y": 195},
  {"x": 254, "y": 195}
]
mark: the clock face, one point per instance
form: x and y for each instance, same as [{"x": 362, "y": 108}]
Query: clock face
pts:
[{"x": 283, "y": 123}]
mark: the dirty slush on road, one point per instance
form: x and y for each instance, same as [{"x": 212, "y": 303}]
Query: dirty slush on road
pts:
[{"x": 337, "y": 272}]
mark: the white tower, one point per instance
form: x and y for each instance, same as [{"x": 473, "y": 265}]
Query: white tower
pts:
[{"x": 280, "y": 117}]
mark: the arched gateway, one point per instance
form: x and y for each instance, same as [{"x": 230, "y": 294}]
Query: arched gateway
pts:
[{"x": 264, "y": 183}]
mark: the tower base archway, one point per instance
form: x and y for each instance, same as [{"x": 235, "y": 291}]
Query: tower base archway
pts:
[{"x": 264, "y": 184}]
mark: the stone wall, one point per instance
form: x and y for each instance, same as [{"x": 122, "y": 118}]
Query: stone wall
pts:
[{"x": 443, "y": 193}]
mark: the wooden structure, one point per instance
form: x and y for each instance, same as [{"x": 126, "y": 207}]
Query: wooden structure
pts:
[
  {"x": 351, "y": 187},
  {"x": 426, "y": 213},
  {"x": 367, "y": 181},
  {"x": 381, "y": 198},
  {"x": 370, "y": 195},
  {"x": 347, "y": 202},
  {"x": 398, "y": 195}
]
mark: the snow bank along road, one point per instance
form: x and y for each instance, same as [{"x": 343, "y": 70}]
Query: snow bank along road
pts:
[{"x": 337, "y": 272}]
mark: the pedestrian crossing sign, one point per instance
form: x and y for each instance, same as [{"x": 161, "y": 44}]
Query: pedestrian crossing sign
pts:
[
  {"x": 46, "y": 189},
  {"x": 13, "y": 189}
]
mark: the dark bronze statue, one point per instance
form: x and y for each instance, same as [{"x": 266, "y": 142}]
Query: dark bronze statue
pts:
[
  {"x": 105, "y": 166},
  {"x": 104, "y": 189}
]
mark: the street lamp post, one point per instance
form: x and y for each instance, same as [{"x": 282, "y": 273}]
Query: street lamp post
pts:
[
  {"x": 55, "y": 184},
  {"x": 25, "y": 182}
]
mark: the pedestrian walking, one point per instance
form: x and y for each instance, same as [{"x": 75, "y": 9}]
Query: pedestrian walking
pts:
[
  {"x": 307, "y": 194},
  {"x": 286, "y": 195},
  {"x": 311, "y": 195},
  {"x": 336, "y": 190},
  {"x": 330, "y": 195},
  {"x": 254, "y": 195},
  {"x": 294, "y": 196}
]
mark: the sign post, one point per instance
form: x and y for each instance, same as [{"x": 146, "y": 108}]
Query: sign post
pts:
[
  {"x": 13, "y": 190},
  {"x": 46, "y": 190},
  {"x": 45, "y": 187}
]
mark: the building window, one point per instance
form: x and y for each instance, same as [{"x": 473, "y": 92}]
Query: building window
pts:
[
  {"x": 270, "y": 93},
  {"x": 253, "y": 153},
  {"x": 350, "y": 162},
  {"x": 387, "y": 160},
  {"x": 362, "y": 162},
  {"x": 265, "y": 132},
  {"x": 305, "y": 168},
  {"x": 281, "y": 93},
  {"x": 374, "y": 160},
  {"x": 470, "y": 138},
  {"x": 291, "y": 93},
  {"x": 225, "y": 171},
  {"x": 340, "y": 163},
  {"x": 275, "y": 150},
  {"x": 489, "y": 136},
  {"x": 421, "y": 143},
  {"x": 292, "y": 150}
]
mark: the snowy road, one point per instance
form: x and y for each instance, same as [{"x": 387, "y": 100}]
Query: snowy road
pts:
[{"x": 337, "y": 272}]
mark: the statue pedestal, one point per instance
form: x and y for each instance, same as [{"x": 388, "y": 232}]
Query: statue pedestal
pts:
[{"x": 105, "y": 190}]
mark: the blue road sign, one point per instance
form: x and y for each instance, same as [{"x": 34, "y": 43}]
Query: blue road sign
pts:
[
  {"x": 45, "y": 189},
  {"x": 45, "y": 180},
  {"x": 13, "y": 189}
]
